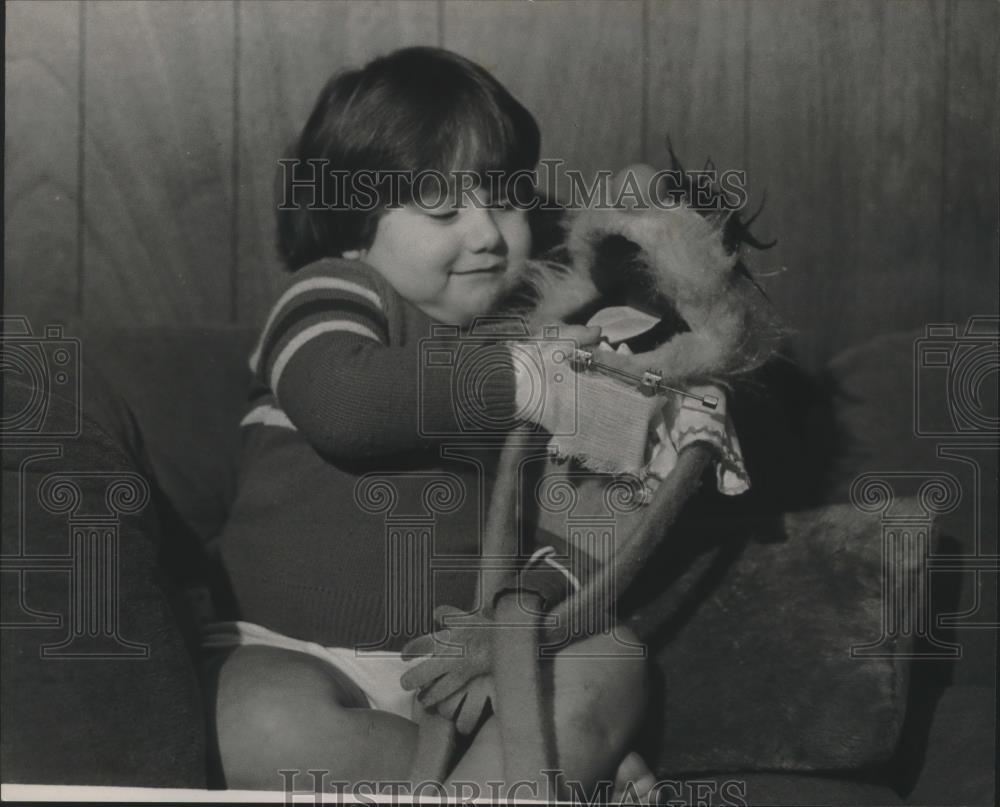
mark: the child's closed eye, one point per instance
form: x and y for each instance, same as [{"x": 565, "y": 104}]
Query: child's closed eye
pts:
[{"x": 443, "y": 213}]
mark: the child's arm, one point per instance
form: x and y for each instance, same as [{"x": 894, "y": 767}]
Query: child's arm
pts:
[
  {"x": 353, "y": 398},
  {"x": 325, "y": 354}
]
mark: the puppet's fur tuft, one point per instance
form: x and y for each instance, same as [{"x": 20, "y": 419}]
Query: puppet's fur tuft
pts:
[{"x": 671, "y": 261}]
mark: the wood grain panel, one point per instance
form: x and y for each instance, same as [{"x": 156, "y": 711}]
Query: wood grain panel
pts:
[
  {"x": 970, "y": 274},
  {"x": 41, "y": 119},
  {"x": 576, "y": 65},
  {"x": 695, "y": 87},
  {"x": 158, "y": 162},
  {"x": 288, "y": 50},
  {"x": 846, "y": 133}
]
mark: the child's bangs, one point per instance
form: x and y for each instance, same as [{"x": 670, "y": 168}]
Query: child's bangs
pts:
[
  {"x": 476, "y": 135},
  {"x": 489, "y": 143}
]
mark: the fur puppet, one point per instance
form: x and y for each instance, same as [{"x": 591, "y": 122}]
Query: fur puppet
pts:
[
  {"x": 668, "y": 288},
  {"x": 702, "y": 320}
]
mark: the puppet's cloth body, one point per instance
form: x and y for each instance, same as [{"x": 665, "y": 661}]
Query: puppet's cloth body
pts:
[{"x": 616, "y": 429}]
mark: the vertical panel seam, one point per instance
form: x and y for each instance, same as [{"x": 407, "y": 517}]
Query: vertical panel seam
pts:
[
  {"x": 941, "y": 305},
  {"x": 234, "y": 222},
  {"x": 81, "y": 151},
  {"x": 747, "y": 40},
  {"x": 440, "y": 23},
  {"x": 644, "y": 83}
]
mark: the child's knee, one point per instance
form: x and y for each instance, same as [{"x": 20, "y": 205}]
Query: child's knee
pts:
[{"x": 602, "y": 686}]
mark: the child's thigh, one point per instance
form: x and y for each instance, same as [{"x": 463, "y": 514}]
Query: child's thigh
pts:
[{"x": 277, "y": 709}]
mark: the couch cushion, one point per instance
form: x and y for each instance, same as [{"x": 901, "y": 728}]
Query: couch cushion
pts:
[
  {"x": 752, "y": 623},
  {"x": 95, "y": 691},
  {"x": 903, "y": 415},
  {"x": 187, "y": 388}
]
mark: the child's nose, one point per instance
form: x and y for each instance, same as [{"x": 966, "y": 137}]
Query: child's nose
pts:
[{"x": 483, "y": 235}]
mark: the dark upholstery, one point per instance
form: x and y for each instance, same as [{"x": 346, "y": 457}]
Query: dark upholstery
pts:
[{"x": 123, "y": 711}]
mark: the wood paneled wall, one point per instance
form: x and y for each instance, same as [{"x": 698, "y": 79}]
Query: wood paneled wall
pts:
[{"x": 142, "y": 139}]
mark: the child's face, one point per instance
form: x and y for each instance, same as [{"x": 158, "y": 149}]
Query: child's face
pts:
[{"x": 452, "y": 263}]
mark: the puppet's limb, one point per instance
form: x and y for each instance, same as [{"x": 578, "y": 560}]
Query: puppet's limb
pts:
[
  {"x": 436, "y": 736},
  {"x": 636, "y": 548},
  {"x": 440, "y": 678},
  {"x": 514, "y": 651},
  {"x": 527, "y": 736},
  {"x": 502, "y": 522},
  {"x": 527, "y": 733}
]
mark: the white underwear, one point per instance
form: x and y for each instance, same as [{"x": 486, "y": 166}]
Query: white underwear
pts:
[{"x": 375, "y": 673}]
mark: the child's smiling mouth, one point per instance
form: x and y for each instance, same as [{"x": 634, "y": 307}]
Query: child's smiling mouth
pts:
[{"x": 490, "y": 269}]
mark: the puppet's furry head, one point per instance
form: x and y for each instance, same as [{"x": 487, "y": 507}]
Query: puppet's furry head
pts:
[{"x": 672, "y": 262}]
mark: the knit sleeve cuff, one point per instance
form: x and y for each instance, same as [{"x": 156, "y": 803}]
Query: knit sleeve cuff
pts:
[{"x": 476, "y": 394}]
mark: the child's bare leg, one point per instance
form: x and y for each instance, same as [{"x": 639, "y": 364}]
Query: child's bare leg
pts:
[
  {"x": 598, "y": 705},
  {"x": 281, "y": 710}
]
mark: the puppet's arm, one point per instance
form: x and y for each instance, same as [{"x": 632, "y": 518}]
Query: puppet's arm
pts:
[
  {"x": 477, "y": 641},
  {"x": 440, "y": 677}
]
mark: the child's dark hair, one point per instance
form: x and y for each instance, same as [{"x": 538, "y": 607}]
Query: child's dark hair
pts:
[{"x": 416, "y": 109}]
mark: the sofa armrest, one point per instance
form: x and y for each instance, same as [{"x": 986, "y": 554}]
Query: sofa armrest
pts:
[{"x": 100, "y": 686}]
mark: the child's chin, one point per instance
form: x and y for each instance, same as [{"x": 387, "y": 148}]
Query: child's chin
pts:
[{"x": 480, "y": 305}]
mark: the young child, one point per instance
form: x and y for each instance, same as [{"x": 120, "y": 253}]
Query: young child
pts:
[{"x": 311, "y": 679}]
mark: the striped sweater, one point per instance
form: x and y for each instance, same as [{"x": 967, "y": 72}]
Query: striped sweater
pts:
[{"x": 358, "y": 465}]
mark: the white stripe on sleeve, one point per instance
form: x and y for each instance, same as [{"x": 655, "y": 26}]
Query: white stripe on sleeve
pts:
[
  {"x": 310, "y": 333},
  {"x": 302, "y": 287}
]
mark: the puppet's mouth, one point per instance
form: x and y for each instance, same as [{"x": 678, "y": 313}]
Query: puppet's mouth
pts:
[{"x": 624, "y": 277}]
